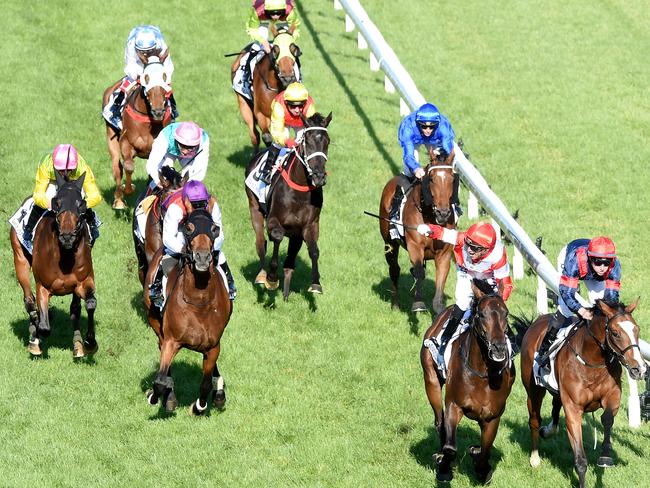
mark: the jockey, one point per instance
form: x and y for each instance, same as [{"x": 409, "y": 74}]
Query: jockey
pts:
[
  {"x": 66, "y": 161},
  {"x": 193, "y": 195},
  {"x": 595, "y": 263},
  {"x": 143, "y": 41},
  {"x": 264, "y": 17},
  {"x": 286, "y": 109},
  {"x": 426, "y": 126},
  {"x": 184, "y": 142},
  {"x": 479, "y": 254}
]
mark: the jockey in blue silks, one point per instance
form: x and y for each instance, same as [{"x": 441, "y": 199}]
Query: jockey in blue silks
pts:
[
  {"x": 594, "y": 262},
  {"x": 426, "y": 126}
]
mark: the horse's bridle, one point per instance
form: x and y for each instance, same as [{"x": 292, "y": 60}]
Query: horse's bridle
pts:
[
  {"x": 303, "y": 145},
  {"x": 607, "y": 347},
  {"x": 76, "y": 212},
  {"x": 427, "y": 194}
]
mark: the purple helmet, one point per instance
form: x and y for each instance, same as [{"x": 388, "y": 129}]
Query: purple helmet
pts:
[{"x": 195, "y": 191}]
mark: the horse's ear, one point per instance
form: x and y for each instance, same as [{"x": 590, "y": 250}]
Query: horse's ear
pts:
[
  {"x": 304, "y": 120},
  {"x": 275, "y": 52},
  {"x": 163, "y": 55},
  {"x": 327, "y": 120},
  {"x": 295, "y": 50},
  {"x": 80, "y": 181},
  {"x": 188, "y": 230},
  {"x": 185, "y": 179},
  {"x": 215, "y": 231},
  {"x": 606, "y": 309},
  {"x": 630, "y": 308},
  {"x": 478, "y": 294},
  {"x": 60, "y": 180}
]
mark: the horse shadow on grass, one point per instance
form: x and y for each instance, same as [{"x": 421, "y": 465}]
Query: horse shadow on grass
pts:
[
  {"x": 424, "y": 450},
  {"x": 126, "y": 214},
  {"x": 299, "y": 283},
  {"x": 61, "y": 332},
  {"x": 242, "y": 157}
]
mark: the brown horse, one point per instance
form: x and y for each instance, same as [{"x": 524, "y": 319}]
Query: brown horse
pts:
[
  {"x": 146, "y": 114},
  {"x": 294, "y": 205},
  {"x": 429, "y": 201},
  {"x": 170, "y": 180},
  {"x": 272, "y": 74},
  {"x": 62, "y": 264},
  {"x": 479, "y": 378},
  {"x": 195, "y": 315},
  {"x": 588, "y": 372}
]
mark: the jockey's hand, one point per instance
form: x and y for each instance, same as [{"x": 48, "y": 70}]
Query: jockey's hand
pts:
[
  {"x": 266, "y": 46},
  {"x": 290, "y": 143},
  {"x": 419, "y": 173},
  {"x": 431, "y": 230},
  {"x": 585, "y": 313}
]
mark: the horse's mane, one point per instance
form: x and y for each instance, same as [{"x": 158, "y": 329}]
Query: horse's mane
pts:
[
  {"x": 484, "y": 287},
  {"x": 318, "y": 119},
  {"x": 617, "y": 306}
]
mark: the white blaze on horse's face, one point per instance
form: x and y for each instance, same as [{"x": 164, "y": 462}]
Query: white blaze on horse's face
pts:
[
  {"x": 628, "y": 327},
  {"x": 155, "y": 75}
]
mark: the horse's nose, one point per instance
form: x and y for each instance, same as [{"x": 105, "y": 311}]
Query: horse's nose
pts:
[
  {"x": 158, "y": 114},
  {"x": 499, "y": 352},
  {"x": 319, "y": 179},
  {"x": 442, "y": 215}
]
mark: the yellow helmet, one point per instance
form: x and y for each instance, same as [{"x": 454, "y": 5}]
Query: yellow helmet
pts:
[
  {"x": 275, "y": 5},
  {"x": 296, "y": 92}
]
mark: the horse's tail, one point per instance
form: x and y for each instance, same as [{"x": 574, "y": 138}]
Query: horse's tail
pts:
[{"x": 521, "y": 325}]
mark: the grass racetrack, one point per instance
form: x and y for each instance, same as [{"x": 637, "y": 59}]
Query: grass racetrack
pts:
[{"x": 553, "y": 103}]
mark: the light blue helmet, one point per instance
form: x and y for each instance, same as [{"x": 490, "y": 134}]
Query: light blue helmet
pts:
[
  {"x": 427, "y": 113},
  {"x": 145, "y": 39}
]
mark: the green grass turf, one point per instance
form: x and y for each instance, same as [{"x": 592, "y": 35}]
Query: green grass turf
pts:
[{"x": 552, "y": 101}]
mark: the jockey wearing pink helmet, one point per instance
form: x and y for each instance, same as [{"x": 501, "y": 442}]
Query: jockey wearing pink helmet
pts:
[
  {"x": 188, "y": 137},
  {"x": 65, "y": 157}
]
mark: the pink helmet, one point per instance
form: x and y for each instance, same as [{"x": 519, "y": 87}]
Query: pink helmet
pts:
[
  {"x": 188, "y": 134},
  {"x": 65, "y": 157}
]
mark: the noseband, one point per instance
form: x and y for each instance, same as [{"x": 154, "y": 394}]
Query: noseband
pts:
[{"x": 607, "y": 347}]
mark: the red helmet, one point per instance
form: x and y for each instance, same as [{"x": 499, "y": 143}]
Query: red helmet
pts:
[
  {"x": 482, "y": 234},
  {"x": 601, "y": 247}
]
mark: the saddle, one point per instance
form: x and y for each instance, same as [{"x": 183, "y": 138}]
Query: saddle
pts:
[
  {"x": 549, "y": 380},
  {"x": 261, "y": 190}
]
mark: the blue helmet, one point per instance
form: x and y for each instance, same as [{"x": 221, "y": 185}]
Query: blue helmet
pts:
[
  {"x": 146, "y": 39},
  {"x": 427, "y": 113}
]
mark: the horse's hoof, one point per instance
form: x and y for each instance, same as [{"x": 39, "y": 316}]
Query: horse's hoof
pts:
[
  {"x": 547, "y": 431},
  {"x": 485, "y": 478},
  {"x": 445, "y": 477},
  {"x": 271, "y": 285},
  {"x": 171, "y": 403},
  {"x": 149, "y": 395},
  {"x": 534, "y": 460},
  {"x": 219, "y": 399},
  {"x": 196, "y": 411},
  {"x": 474, "y": 451},
  {"x": 315, "y": 288},
  {"x": 34, "y": 347},
  {"x": 118, "y": 204},
  {"x": 418, "y": 307},
  {"x": 260, "y": 279},
  {"x": 90, "y": 346},
  {"x": 78, "y": 350},
  {"x": 605, "y": 462}
]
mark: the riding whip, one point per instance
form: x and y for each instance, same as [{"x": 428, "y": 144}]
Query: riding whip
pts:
[{"x": 412, "y": 227}]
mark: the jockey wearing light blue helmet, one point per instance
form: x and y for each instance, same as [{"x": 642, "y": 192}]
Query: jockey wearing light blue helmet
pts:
[{"x": 426, "y": 126}]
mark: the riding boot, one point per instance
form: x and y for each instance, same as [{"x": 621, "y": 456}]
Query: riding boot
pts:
[
  {"x": 554, "y": 325},
  {"x": 34, "y": 216},
  {"x": 394, "y": 212},
  {"x": 155, "y": 289},
  {"x": 93, "y": 226},
  {"x": 454, "y": 319},
  {"x": 232, "y": 289},
  {"x": 454, "y": 196},
  {"x": 172, "y": 104},
  {"x": 264, "y": 173}
]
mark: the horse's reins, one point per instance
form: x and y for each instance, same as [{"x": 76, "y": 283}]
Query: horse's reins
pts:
[{"x": 304, "y": 160}]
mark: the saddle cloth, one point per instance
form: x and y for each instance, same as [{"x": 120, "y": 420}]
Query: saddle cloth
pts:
[
  {"x": 141, "y": 213},
  {"x": 549, "y": 381},
  {"x": 258, "y": 187},
  {"x": 19, "y": 219}
]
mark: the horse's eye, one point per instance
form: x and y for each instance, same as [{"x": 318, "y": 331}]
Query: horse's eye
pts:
[{"x": 616, "y": 334}]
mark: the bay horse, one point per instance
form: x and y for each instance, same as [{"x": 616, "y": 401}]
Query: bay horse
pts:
[
  {"x": 146, "y": 113},
  {"x": 170, "y": 180},
  {"x": 294, "y": 205},
  {"x": 480, "y": 375},
  {"x": 271, "y": 75},
  {"x": 62, "y": 265},
  {"x": 429, "y": 202},
  {"x": 588, "y": 371},
  {"x": 195, "y": 315}
]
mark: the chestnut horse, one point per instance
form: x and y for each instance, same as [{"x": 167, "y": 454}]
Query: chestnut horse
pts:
[
  {"x": 429, "y": 201},
  {"x": 146, "y": 113},
  {"x": 294, "y": 205},
  {"x": 196, "y": 313},
  {"x": 170, "y": 180},
  {"x": 588, "y": 371},
  {"x": 62, "y": 264},
  {"x": 272, "y": 74},
  {"x": 480, "y": 375}
]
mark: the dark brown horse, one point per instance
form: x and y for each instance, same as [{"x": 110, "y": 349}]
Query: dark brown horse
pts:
[
  {"x": 294, "y": 206},
  {"x": 195, "y": 315},
  {"x": 170, "y": 180},
  {"x": 588, "y": 371},
  {"x": 146, "y": 114},
  {"x": 62, "y": 264},
  {"x": 479, "y": 378},
  {"x": 429, "y": 201},
  {"x": 272, "y": 74}
]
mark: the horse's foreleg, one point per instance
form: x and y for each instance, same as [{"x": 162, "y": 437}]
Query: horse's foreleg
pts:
[
  {"x": 209, "y": 362},
  {"x": 295, "y": 243},
  {"x": 550, "y": 429},
  {"x": 218, "y": 389},
  {"x": 75, "y": 314},
  {"x": 418, "y": 275},
  {"x": 22, "y": 267},
  {"x": 453, "y": 415},
  {"x": 257, "y": 220},
  {"x": 113, "y": 143},
  {"x": 573, "y": 416},
  {"x": 163, "y": 385},
  {"x": 129, "y": 167},
  {"x": 442, "y": 260},
  {"x": 43, "y": 299},
  {"x": 90, "y": 343},
  {"x": 610, "y": 406},
  {"x": 391, "y": 253},
  {"x": 276, "y": 233},
  {"x": 434, "y": 393},
  {"x": 314, "y": 254},
  {"x": 535, "y": 398},
  {"x": 247, "y": 115},
  {"x": 481, "y": 455}
]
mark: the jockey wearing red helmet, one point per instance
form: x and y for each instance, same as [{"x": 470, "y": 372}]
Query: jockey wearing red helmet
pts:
[
  {"x": 594, "y": 262},
  {"x": 480, "y": 255}
]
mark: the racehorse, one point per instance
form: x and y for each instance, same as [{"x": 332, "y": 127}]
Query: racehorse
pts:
[
  {"x": 588, "y": 372},
  {"x": 196, "y": 313},
  {"x": 480, "y": 375},
  {"x": 170, "y": 180},
  {"x": 145, "y": 115},
  {"x": 429, "y": 201},
  {"x": 272, "y": 74},
  {"x": 294, "y": 205},
  {"x": 62, "y": 264}
]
